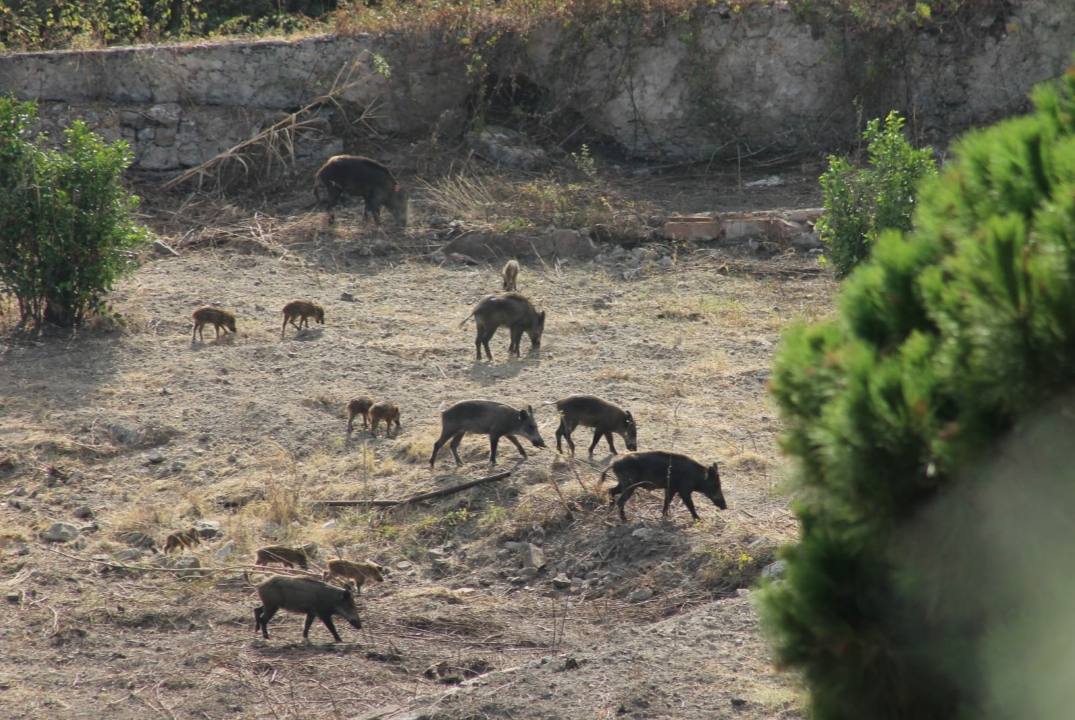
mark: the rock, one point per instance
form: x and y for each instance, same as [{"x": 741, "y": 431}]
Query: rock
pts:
[
  {"x": 311, "y": 550},
  {"x": 60, "y": 532},
  {"x": 347, "y": 297},
  {"x": 83, "y": 511},
  {"x": 187, "y": 566},
  {"x": 774, "y": 570},
  {"x": 513, "y": 546},
  {"x": 641, "y": 595},
  {"x": 154, "y": 457},
  {"x": 760, "y": 542},
  {"x": 167, "y": 114},
  {"x": 225, "y": 551},
  {"x": 561, "y": 581},
  {"x": 403, "y": 565},
  {"x": 329, "y": 525},
  {"x": 533, "y": 556},
  {"x": 14, "y": 597},
  {"x": 525, "y": 575},
  {"x": 122, "y": 435},
  {"x": 507, "y": 147},
  {"x": 643, "y": 533},
  {"x": 80, "y": 543},
  {"x": 128, "y": 555},
  {"x": 164, "y": 248},
  {"x": 208, "y": 529},
  {"x": 18, "y": 504}
]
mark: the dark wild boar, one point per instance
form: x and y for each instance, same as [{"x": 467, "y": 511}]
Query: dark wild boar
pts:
[
  {"x": 305, "y": 595},
  {"x": 511, "y": 309},
  {"x": 511, "y": 276},
  {"x": 677, "y": 474},
  {"x": 185, "y": 540},
  {"x": 303, "y": 310},
  {"x": 604, "y": 417},
  {"x": 386, "y": 411},
  {"x": 219, "y": 319},
  {"x": 288, "y": 557},
  {"x": 360, "y": 572},
  {"x": 484, "y": 417},
  {"x": 365, "y": 178},
  {"x": 359, "y": 406}
]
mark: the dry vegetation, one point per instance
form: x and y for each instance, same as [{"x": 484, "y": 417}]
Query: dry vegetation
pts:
[{"x": 153, "y": 433}]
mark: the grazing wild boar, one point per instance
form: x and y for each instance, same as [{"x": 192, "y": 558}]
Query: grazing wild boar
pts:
[
  {"x": 359, "y": 406},
  {"x": 186, "y": 539},
  {"x": 677, "y": 474},
  {"x": 305, "y": 595},
  {"x": 303, "y": 310},
  {"x": 511, "y": 276},
  {"x": 219, "y": 319},
  {"x": 484, "y": 417},
  {"x": 288, "y": 557},
  {"x": 604, "y": 417},
  {"x": 386, "y": 411},
  {"x": 365, "y": 178},
  {"x": 511, "y": 309},
  {"x": 360, "y": 572}
]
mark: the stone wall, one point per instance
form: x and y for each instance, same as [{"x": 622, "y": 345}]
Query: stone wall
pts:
[{"x": 719, "y": 84}]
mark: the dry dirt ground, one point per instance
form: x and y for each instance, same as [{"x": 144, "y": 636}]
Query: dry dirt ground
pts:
[{"x": 141, "y": 430}]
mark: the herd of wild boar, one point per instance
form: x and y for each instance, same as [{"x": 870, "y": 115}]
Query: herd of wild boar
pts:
[{"x": 673, "y": 473}]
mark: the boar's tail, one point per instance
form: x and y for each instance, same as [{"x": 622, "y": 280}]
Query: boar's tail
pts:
[
  {"x": 468, "y": 317},
  {"x": 602, "y": 478}
]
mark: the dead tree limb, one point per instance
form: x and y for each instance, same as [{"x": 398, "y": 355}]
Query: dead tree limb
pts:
[{"x": 416, "y": 498}]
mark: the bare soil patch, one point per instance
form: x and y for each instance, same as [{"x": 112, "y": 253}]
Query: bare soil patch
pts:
[{"x": 152, "y": 433}]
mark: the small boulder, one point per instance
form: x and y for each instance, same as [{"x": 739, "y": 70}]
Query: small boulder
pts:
[
  {"x": 641, "y": 595},
  {"x": 225, "y": 551},
  {"x": 774, "y": 570},
  {"x": 83, "y": 511},
  {"x": 533, "y": 556},
  {"x": 60, "y": 532},
  {"x": 128, "y": 555},
  {"x": 561, "y": 581},
  {"x": 187, "y": 566}
]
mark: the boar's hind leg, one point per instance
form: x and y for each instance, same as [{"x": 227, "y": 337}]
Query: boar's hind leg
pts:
[
  {"x": 564, "y": 432},
  {"x": 627, "y": 493},
  {"x": 516, "y": 443},
  {"x": 455, "y": 445},
  {"x": 263, "y": 616}
]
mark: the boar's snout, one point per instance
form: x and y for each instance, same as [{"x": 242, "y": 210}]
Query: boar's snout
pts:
[{"x": 713, "y": 492}]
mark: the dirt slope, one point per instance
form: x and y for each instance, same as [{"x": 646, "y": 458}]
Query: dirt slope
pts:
[{"x": 142, "y": 431}]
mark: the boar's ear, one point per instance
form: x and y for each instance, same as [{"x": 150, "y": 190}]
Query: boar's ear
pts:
[{"x": 542, "y": 315}]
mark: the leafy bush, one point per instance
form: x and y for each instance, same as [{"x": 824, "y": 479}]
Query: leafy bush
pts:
[
  {"x": 65, "y": 226},
  {"x": 861, "y": 203},
  {"x": 950, "y": 343}
]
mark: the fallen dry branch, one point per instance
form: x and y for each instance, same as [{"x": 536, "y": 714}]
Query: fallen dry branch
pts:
[
  {"x": 117, "y": 565},
  {"x": 275, "y": 144},
  {"x": 416, "y": 498}
]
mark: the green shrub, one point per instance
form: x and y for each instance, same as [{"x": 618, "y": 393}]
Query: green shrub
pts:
[
  {"x": 860, "y": 203},
  {"x": 950, "y": 343},
  {"x": 65, "y": 226}
]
